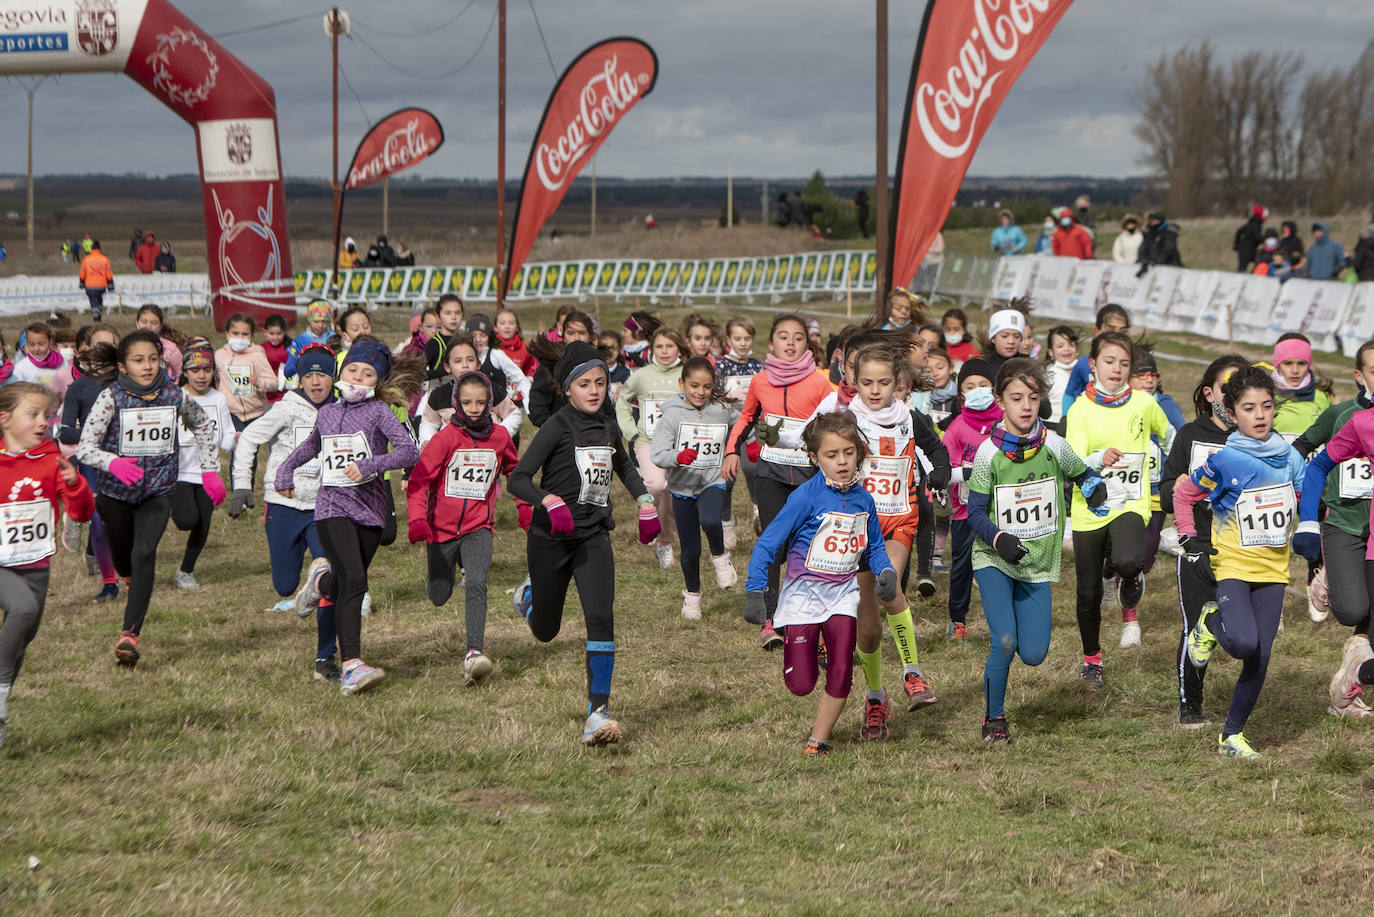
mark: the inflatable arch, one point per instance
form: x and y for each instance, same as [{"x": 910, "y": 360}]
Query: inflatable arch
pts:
[{"x": 231, "y": 108}]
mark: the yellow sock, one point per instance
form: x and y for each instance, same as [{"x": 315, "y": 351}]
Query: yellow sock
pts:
[
  {"x": 904, "y": 633},
  {"x": 872, "y": 664}
]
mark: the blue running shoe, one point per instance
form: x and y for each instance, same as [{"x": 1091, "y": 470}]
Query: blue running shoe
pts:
[
  {"x": 600, "y": 729},
  {"x": 523, "y": 599}
]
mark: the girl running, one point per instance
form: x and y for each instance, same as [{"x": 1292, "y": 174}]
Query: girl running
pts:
[
  {"x": 130, "y": 436},
  {"x": 1145, "y": 379},
  {"x": 93, "y": 370},
  {"x": 245, "y": 376},
  {"x": 1299, "y": 401},
  {"x": 689, "y": 444},
  {"x": 700, "y": 335},
  {"x": 192, "y": 508},
  {"x": 967, "y": 431},
  {"x": 639, "y": 328},
  {"x": 902, "y": 310},
  {"x": 1197, "y": 584},
  {"x": 826, "y": 527},
  {"x": 780, "y": 399},
  {"x": 319, "y": 326},
  {"x": 1016, "y": 508},
  {"x": 575, "y": 453},
  {"x": 512, "y": 341},
  {"x": 450, "y": 307},
  {"x": 350, "y": 442},
  {"x": 151, "y": 318},
  {"x": 1063, "y": 356},
  {"x": 276, "y": 344},
  {"x": 39, "y": 361},
  {"x": 1111, "y": 429},
  {"x": 1254, "y": 484},
  {"x": 545, "y": 398},
  {"x": 958, "y": 341},
  {"x": 648, "y": 389},
  {"x": 33, "y": 477},
  {"x": 735, "y": 369},
  {"x": 462, "y": 358},
  {"x": 943, "y": 397},
  {"x": 450, "y": 497}
]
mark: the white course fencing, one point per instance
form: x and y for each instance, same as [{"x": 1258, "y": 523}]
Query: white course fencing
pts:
[{"x": 24, "y": 295}]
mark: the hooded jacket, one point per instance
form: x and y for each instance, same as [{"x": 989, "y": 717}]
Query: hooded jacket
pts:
[
  {"x": 453, "y": 458},
  {"x": 35, "y": 476},
  {"x": 1073, "y": 242},
  {"x": 166, "y": 262},
  {"x": 1248, "y": 237},
  {"x": 705, "y": 430},
  {"x": 284, "y": 427},
  {"x": 1325, "y": 256},
  {"x": 1364, "y": 254},
  {"x": 147, "y": 253},
  {"x": 1291, "y": 243},
  {"x": 1160, "y": 245},
  {"x": 649, "y": 387}
]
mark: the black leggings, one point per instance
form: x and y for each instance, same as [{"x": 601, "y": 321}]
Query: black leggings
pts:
[
  {"x": 925, "y": 534},
  {"x": 771, "y": 496},
  {"x": 694, "y": 515},
  {"x": 556, "y": 562},
  {"x": 192, "y": 512},
  {"x": 389, "y": 525},
  {"x": 134, "y": 529},
  {"x": 1127, "y": 533},
  {"x": 350, "y": 548},
  {"x": 1197, "y": 585}
]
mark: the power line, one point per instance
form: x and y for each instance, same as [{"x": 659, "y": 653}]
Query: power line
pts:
[
  {"x": 436, "y": 76},
  {"x": 422, "y": 34},
  {"x": 349, "y": 84},
  {"x": 268, "y": 25},
  {"x": 540, "y": 29}
]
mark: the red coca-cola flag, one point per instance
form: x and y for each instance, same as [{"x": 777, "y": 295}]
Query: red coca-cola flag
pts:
[
  {"x": 969, "y": 54},
  {"x": 398, "y": 141},
  {"x": 597, "y": 89}
]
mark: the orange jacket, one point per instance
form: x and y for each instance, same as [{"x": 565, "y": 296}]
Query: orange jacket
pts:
[{"x": 96, "y": 272}]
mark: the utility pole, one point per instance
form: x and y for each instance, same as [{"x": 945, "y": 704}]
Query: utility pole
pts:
[
  {"x": 31, "y": 88},
  {"x": 763, "y": 197},
  {"x": 593, "y": 197},
  {"x": 335, "y": 24},
  {"x": 880, "y": 57},
  {"x": 729, "y": 196},
  {"x": 386, "y": 207},
  {"x": 501, "y": 154}
]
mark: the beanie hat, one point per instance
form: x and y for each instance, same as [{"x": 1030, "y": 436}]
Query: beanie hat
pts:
[
  {"x": 976, "y": 367},
  {"x": 198, "y": 353},
  {"x": 316, "y": 358},
  {"x": 1006, "y": 320},
  {"x": 373, "y": 354},
  {"x": 1259, "y": 212},
  {"x": 578, "y": 359},
  {"x": 318, "y": 310},
  {"x": 478, "y": 322},
  {"x": 1292, "y": 349}
]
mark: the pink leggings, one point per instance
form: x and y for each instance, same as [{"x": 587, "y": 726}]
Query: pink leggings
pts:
[{"x": 799, "y": 667}]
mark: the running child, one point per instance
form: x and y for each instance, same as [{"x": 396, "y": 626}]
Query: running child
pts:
[
  {"x": 575, "y": 453},
  {"x": 639, "y": 328},
  {"x": 131, "y": 437},
  {"x": 33, "y": 478},
  {"x": 545, "y": 398},
  {"x": 966, "y": 433},
  {"x": 496, "y": 364},
  {"x": 1110, "y": 317},
  {"x": 450, "y": 307},
  {"x": 826, "y": 527},
  {"x": 1254, "y": 484},
  {"x": 903, "y": 310},
  {"x": 93, "y": 370},
  {"x": 1016, "y": 509},
  {"x": 151, "y": 318},
  {"x": 1299, "y": 399},
  {"x": 450, "y": 498},
  {"x": 350, "y": 442},
  {"x": 245, "y": 376},
  {"x": 943, "y": 397},
  {"x": 1062, "y": 357},
  {"x": 735, "y": 369},
  {"x": 462, "y": 358},
  {"x": 38, "y": 361},
  {"x": 192, "y": 508},
  {"x": 958, "y": 341},
  {"x": 512, "y": 341},
  {"x": 276, "y": 344},
  {"x": 1145, "y": 378},
  {"x": 701, "y": 335},
  {"x": 689, "y": 444},
  {"x": 648, "y": 389},
  {"x": 608, "y": 345},
  {"x": 319, "y": 326}
]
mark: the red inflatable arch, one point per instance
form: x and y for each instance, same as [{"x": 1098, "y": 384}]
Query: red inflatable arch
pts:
[{"x": 231, "y": 108}]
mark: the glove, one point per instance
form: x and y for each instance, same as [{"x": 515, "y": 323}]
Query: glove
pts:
[
  {"x": 886, "y": 588},
  {"x": 560, "y": 517},
  {"x": 687, "y": 456},
  {"x": 214, "y": 486},
  {"x": 768, "y": 435},
  {"x": 1095, "y": 494},
  {"x": 81, "y": 285},
  {"x": 938, "y": 479},
  {"x": 1010, "y": 548},
  {"x": 524, "y": 513},
  {"x": 753, "y": 449},
  {"x": 1308, "y": 544},
  {"x": 755, "y": 611},
  {"x": 649, "y": 526},
  {"x": 238, "y": 502},
  {"x": 419, "y": 530},
  {"x": 126, "y": 470},
  {"x": 110, "y": 286},
  {"x": 1194, "y": 548},
  {"x": 1143, "y": 269}
]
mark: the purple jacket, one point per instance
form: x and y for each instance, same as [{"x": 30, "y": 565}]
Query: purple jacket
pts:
[{"x": 363, "y": 503}]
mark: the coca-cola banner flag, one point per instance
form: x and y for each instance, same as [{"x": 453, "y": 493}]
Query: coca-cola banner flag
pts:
[
  {"x": 592, "y": 95},
  {"x": 969, "y": 54},
  {"x": 398, "y": 141}
]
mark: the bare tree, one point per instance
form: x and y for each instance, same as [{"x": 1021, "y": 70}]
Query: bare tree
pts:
[
  {"x": 1178, "y": 127},
  {"x": 1250, "y": 100}
]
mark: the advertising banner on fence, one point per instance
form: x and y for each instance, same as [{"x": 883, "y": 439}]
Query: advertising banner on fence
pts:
[
  {"x": 967, "y": 57},
  {"x": 590, "y": 98}
]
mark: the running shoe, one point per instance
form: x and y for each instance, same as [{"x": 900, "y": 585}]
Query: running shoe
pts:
[
  {"x": 126, "y": 649},
  {"x": 523, "y": 599},
  {"x": 727, "y": 529},
  {"x": 725, "y": 571},
  {"x": 600, "y": 729},
  {"x": 815, "y": 748},
  {"x": 665, "y": 555},
  {"x": 1129, "y": 592},
  {"x": 476, "y": 666},
  {"x": 770, "y": 639},
  {"x": 876, "y": 715},
  {"x": 925, "y": 587},
  {"x": 367, "y": 605},
  {"x": 309, "y": 595},
  {"x": 71, "y": 534},
  {"x": 1190, "y": 716},
  {"x": 1345, "y": 684},
  {"x": 186, "y": 582},
  {"x": 995, "y": 730},
  {"x": 1091, "y": 676},
  {"x": 1201, "y": 642},
  {"x": 918, "y": 693},
  {"x": 359, "y": 678},
  {"x": 758, "y": 523},
  {"x": 958, "y": 631},
  {"x": 1130, "y": 634},
  {"x": 1236, "y": 747},
  {"x": 108, "y": 593},
  {"x": 691, "y": 606},
  {"x": 284, "y": 605},
  {"x": 1319, "y": 597},
  {"x": 937, "y": 563},
  {"x": 326, "y": 670},
  {"x": 1111, "y": 588},
  {"x": 822, "y": 653},
  {"x": 1356, "y": 709}
]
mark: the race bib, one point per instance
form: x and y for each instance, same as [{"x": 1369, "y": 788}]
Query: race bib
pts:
[
  {"x": 707, "y": 438},
  {"x": 650, "y": 413},
  {"x": 839, "y": 541},
  {"x": 782, "y": 455},
  {"x": 310, "y": 469},
  {"x": 736, "y": 387},
  {"x": 337, "y": 452},
  {"x": 1357, "y": 479},
  {"x": 885, "y": 478},
  {"x": 241, "y": 379},
  {"x": 147, "y": 431},
  {"x": 1200, "y": 453},
  {"x": 937, "y": 417},
  {"x": 1127, "y": 476},
  {"x": 594, "y": 470},
  {"x": 470, "y": 473},
  {"x": 1027, "y": 510},
  {"x": 1156, "y": 463},
  {"x": 1264, "y": 516},
  {"x": 26, "y": 532}
]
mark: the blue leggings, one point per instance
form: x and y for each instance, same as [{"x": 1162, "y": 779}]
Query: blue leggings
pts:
[
  {"x": 1019, "y": 622},
  {"x": 289, "y": 532},
  {"x": 694, "y": 515},
  {"x": 1245, "y": 622}
]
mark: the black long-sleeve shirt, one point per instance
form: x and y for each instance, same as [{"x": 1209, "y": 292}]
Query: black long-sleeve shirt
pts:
[{"x": 1208, "y": 437}]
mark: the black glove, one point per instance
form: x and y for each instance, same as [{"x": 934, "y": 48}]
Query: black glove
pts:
[
  {"x": 755, "y": 611},
  {"x": 938, "y": 479},
  {"x": 1095, "y": 493},
  {"x": 238, "y": 502},
  {"x": 886, "y": 588},
  {"x": 1143, "y": 268},
  {"x": 1194, "y": 548},
  {"x": 1010, "y": 548}
]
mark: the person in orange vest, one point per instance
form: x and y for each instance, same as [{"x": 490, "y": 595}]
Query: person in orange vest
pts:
[{"x": 95, "y": 278}]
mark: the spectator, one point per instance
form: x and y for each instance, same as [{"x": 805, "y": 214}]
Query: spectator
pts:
[
  {"x": 1325, "y": 256},
  {"x": 1126, "y": 248},
  {"x": 1265, "y": 252},
  {"x": 1044, "y": 244},
  {"x": 404, "y": 256},
  {"x": 1363, "y": 256},
  {"x": 373, "y": 259},
  {"x": 166, "y": 262},
  {"x": 96, "y": 276},
  {"x": 87, "y": 244},
  {"x": 386, "y": 255},
  {"x": 67, "y": 250},
  {"x": 1160, "y": 245},
  {"x": 147, "y": 253},
  {"x": 1290, "y": 241},
  {"x": 348, "y": 256},
  {"x": 861, "y": 205},
  {"x": 134, "y": 242},
  {"x": 1070, "y": 239},
  {"x": 1008, "y": 239},
  {"x": 3, "y": 253},
  {"x": 784, "y": 217},
  {"x": 1249, "y": 238},
  {"x": 1084, "y": 215},
  {"x": 649, "y": 222}
]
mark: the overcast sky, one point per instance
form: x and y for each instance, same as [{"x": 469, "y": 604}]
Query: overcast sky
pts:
[{"x": 767, "y": 87}]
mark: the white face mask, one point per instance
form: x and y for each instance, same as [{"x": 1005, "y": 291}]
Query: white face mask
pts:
[
  {"x": 1066, "y": 222},
  {"x": 67, "y": 353},
  {"x": 239, "y": 345},
  {"x": 352, "y": 393},
  {"x": 1049, "y": 226},
  {"x": 980, "y": 399},
  {"x": 953, "y": 339}
]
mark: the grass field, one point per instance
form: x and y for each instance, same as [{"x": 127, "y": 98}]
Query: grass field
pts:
[{"x": 217, "y": 777}]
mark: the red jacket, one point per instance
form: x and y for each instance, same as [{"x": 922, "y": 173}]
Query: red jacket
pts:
[
  {"x": 146, "y": 255},
  {"x": 276, "y": 356},
  {"x": 519, "y": 354},
  {"x": 427, "y": 495},
  {"x": 1074, "y": 242},
  {"x": 34, "y": 476}
]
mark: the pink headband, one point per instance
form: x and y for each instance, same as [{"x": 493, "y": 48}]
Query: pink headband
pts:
[{"x": 1292, "y": 349}]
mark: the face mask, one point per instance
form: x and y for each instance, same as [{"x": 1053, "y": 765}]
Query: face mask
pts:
[
  {"x": 980, "y": 399},
  {"x": 1271, "y": 244},
  {"x": 1219, "y": 409},
  {"x": 1066, "y": 222},
  {"x": 352, "y": 393},
  {"x": 953, "y": 339},
  {"x": 1049, "y": 226},
  {"x": 66, "y": 352},
  {"x": 1109, "y": 393},
  {"x": 239, "y": 345}
]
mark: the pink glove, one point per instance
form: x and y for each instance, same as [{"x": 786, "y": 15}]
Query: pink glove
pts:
[
  {"x": 419, "y": 530},
  {"x": 649, "y": 526},
  {"x": 560, "y": 517},
  {"x": 524, "y": 513},
  {"x": 128, "y": 472},
  {"x": 214, "y": 486},
  {"x": 752, "y": 450},
  {"x": 687, "y": 456}
]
